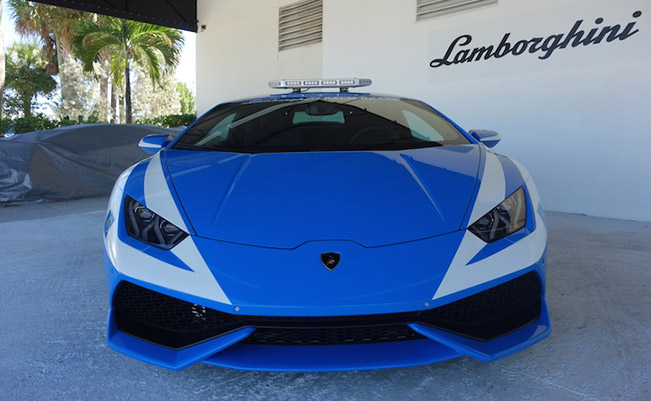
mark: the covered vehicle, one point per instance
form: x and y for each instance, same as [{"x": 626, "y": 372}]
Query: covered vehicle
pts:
[
  {"x": 72, "y": 162},
  {"x": 324, "y": 231}
]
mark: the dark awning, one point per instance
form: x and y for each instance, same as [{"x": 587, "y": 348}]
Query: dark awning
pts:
[{"x": 181, "y": 14}]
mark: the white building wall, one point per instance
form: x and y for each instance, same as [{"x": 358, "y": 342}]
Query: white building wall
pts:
[
  {"x": 578, "y": 120},
  {"x": 237, "y": 52}
]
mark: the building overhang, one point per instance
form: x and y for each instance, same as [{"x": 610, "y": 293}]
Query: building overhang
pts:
[{"x": 181, "y": 14}]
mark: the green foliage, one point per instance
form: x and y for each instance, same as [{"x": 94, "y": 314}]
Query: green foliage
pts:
[
  {"x": 13, "y": 106},
  {"x": 124, "y": 43},
  {"x": 152, "y": 46},
  {"x": 153, "y": 100},
  {"x": 32, "y": 123},
  {"x": 188, "y": 103},
  {"x": 92, "y": 119},
  {"x": 86, "y": 95},
  {"x": 5, "y": 125},
  {"x": 40, "y": 122},
  {"x": 52, "y": 25},
  {"x": 172, "y": 120},
  {"x": 99, "y": 61},
  {"x": 26, "y": 75}
]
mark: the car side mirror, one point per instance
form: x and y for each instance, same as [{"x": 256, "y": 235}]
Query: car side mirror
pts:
[
  {"x": 153, "y": 143},
  {"x": 488, "y": 138}
]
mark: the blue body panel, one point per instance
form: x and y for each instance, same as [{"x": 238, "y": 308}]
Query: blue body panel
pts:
[
  {"x": 331, "y": 357},
  {"x": 135, "y": 184},
  {"x": 372, "y": 198},
  {"x": 270, "y": 281},
  {"x": 167, "y": 358}
]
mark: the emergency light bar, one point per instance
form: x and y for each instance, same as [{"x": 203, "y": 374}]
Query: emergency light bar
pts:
[{"x": 298, "y": 84}]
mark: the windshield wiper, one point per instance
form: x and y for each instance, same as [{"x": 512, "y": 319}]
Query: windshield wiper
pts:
[
  {"x": 411, "y": 141},
  {"x": 185, "y": 146}
]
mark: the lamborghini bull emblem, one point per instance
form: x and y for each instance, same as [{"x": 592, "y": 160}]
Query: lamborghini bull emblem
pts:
[{"x": 330, "y": 260}]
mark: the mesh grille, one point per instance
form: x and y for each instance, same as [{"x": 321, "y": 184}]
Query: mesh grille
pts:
[
  {"x": 167, "y": 321},
  {"x": 491, "y": 304},
  {"x": 332, "y": 336},
  {"x": 167, "y": 312},
  {"x": 177, "y": 324},
  {"x": 491, "y": 313}
]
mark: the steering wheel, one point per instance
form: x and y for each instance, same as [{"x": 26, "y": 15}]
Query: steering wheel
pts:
[{"x": 387, "y": 133}]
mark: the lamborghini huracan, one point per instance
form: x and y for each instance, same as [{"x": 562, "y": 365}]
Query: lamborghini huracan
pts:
[{"x": 324, "y": 229}]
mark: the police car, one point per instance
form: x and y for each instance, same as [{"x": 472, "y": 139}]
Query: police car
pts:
[{"x": 318, "y": 230}]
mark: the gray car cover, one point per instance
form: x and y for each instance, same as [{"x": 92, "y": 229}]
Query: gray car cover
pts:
[{"x": 69, "y": 162}]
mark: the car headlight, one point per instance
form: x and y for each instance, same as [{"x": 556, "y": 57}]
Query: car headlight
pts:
[
  {"x": 148, "y": 227},
  {"x": 506, "y": 218}
]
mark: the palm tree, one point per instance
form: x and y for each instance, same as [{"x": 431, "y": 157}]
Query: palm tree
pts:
[
  {"x": 124, "y": 42},
  {"x": 27, "y": 75},
  {"x": 53, "y": 26}
]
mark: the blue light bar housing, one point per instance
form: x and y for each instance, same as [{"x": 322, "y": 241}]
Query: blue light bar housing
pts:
[{"x": 300, "y": 84}]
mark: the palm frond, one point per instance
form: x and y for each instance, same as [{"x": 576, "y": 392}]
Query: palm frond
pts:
[
  {"x": 91, "y": 40},
  {"x": 149, "y": 58}
]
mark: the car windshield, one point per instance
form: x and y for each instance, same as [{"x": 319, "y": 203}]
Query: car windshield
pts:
[{"x": 320, "y": 124}]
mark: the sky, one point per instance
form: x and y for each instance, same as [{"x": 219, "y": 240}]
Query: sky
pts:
[{"x": 185, "y": 71}]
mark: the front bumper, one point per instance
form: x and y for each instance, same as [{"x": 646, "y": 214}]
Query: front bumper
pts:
[
  {"x": 174, "y": 334},
  {"x": 292, "y": 284}
]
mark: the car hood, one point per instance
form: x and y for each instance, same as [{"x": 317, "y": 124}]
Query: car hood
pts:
[{"x": 283, "y": 200}]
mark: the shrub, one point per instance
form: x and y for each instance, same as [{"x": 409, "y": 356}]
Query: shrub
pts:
[
  {"x": 40, "y": 122},
  {"x": 33, "y": 123},
  {"x": 5, "y": 125},
  {"x": 172, "y": 120},
  {"x": 92, "y": 119}
]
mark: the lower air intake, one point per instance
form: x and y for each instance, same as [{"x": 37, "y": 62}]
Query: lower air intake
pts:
[
  {"x": 332, "y": 336},
  {"x": 176, "y": 324}
]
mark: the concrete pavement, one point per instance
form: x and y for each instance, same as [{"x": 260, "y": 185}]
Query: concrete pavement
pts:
[{"x": 53, "y": 306}]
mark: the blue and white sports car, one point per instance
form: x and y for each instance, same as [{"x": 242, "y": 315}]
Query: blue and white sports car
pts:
[{"x": 324, "y": 231}]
